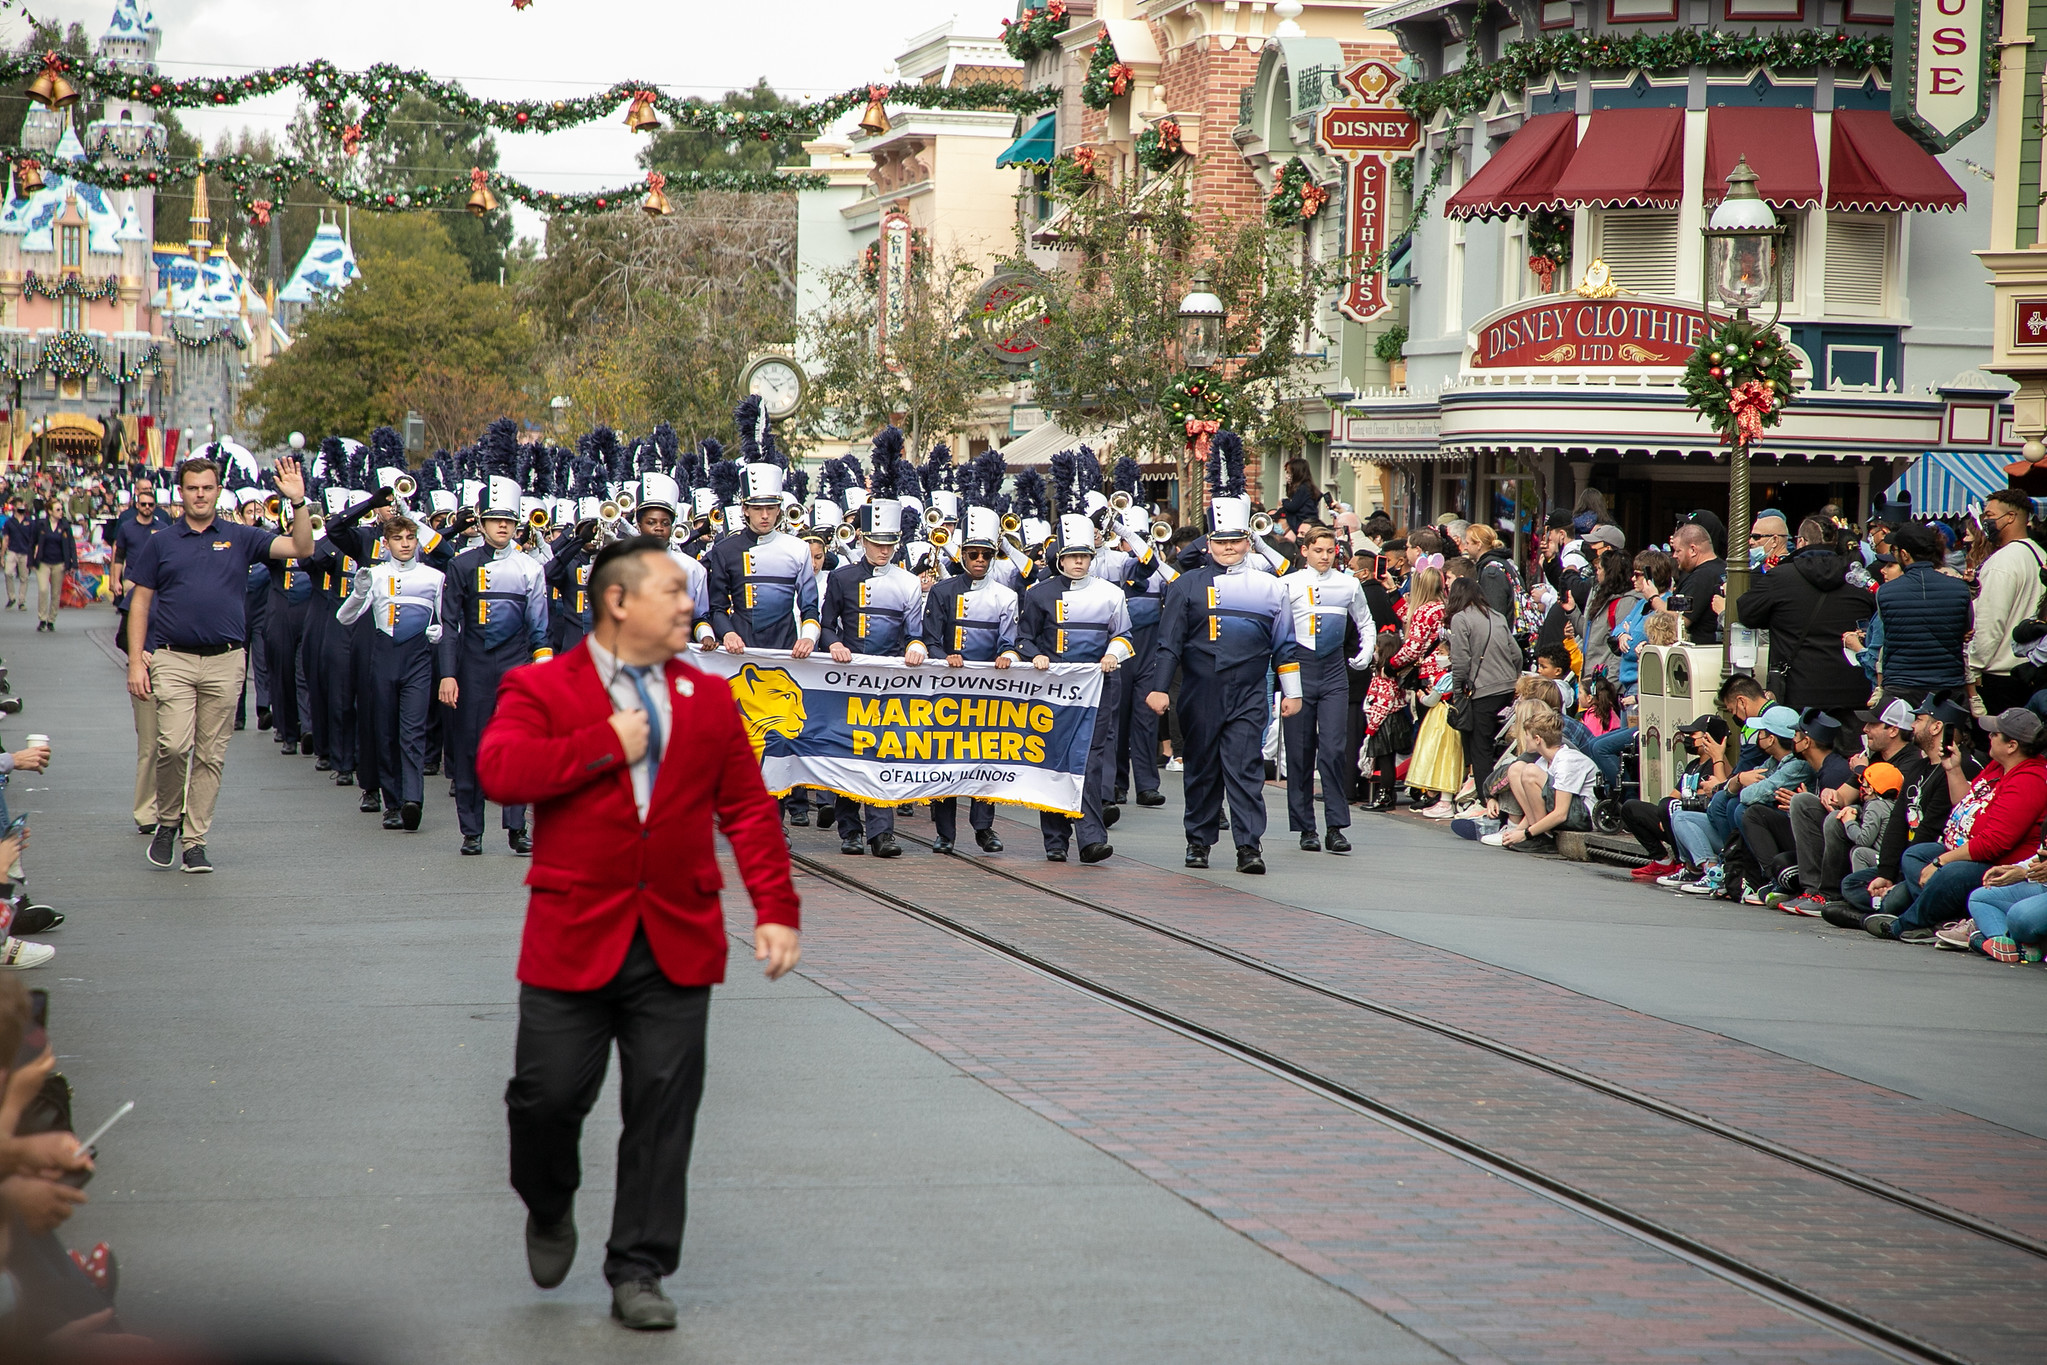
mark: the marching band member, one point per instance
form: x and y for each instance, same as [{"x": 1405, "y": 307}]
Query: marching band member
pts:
[
  {"x": 402, "y": 598},
  {"x": 1074, "y": 617},
  {"x": 1223, "y": 624},
  {"x": 873, "y": 607},
  {"x": 654, "y": 515},
  {"x": 1324, "y": 600},
  {"x": 284, "y": 630},
  {"x": 971, "y": 617},
  {"x": 495, "y": 605}
]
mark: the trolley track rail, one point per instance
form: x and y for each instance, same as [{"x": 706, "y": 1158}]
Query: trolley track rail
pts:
[{"x": 1891, "y": 1340}]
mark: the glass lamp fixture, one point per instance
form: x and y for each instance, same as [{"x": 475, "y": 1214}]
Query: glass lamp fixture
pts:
[{"x": 1201, "y": 324}]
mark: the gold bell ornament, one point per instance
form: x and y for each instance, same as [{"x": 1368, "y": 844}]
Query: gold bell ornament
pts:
[
  {"x": 656, "y": 204},
  {"x": 49, "y": 88},
  {"x": 875, "y": 120},
  {"x": 28, "y": 177},
  {"x": 639, "y": 115},
  {"x": 481, "y": 200}
]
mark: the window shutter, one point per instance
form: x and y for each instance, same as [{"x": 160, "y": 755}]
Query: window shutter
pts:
[
  {"x": 1640, "y": 249},
  {"x": 1858, "y": 253}
]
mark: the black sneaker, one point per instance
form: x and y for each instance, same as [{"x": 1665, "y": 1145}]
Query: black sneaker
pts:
[
  {"x": 145, "y": 830},
  {"x": 941, "y": 845},
  {"x": 800, "y": 818},
  {"x": 344, "y": 779},
  {"x": 163, "y": 846},
  {"x": 196, "y": 859},
  {"x": 1310, "y": 844},
  {"x": 521, "y": 842},
  {"x": 1055, "y": 855},
  {"x": 393, "y": 820},
  {"x": 1842, "y": 915},
  {"x": 1879, "y": 925},
  {"x": 323, "y": 765},
  {"x": 850, "y": 845},
  {"x": 1197, "y": 854},
  {"x": 472, "y": 845},
  {"x": 371, "y": 803},
  {"x": 262, "y": 718},
  {"x": 1250, "y": 860},
  {"x": 885, "y": 846}
]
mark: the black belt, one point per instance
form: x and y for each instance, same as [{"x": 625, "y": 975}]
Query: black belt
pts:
[{"x": 204, "y": 651}]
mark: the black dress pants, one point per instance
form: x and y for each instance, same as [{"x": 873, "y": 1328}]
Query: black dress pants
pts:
[
  {"x": 565, "y": 1040},
  {"x": 478, "y": 671},
  {"x": 284, "y": 630},
  {"x": 1222, "y": 725},
  {"x": 369, "y": 748},
  {"x": 404, "y": 682},
  {"x": 1315, "y": 737},
  {"x": 1137, "y": 728}
]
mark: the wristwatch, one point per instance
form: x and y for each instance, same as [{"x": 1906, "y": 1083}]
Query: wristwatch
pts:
[{"x": 298, "y": 503}]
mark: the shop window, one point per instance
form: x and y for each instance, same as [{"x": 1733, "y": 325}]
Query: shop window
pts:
[
  {"x": 1766, "y": 9},
  {"x": 1640, "y": 11},
  {"x": 71, "y": 312},
  {"x": 1640, "y": 250},
  {"x": 72, "y": 243},
  {"x": 1517, "y": 281},
  {"x": 1858, "y": 264},
  {"x": 1872, "y": 11},
  {"x": 1855, "y": 367}
]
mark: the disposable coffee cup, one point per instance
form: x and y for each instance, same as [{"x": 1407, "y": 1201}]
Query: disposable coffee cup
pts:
[{"x": 35, "y": 740}]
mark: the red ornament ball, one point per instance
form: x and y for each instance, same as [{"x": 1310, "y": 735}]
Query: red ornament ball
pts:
[
  {"x": 522, "y": 116},
  {"x": 1715, "y": 372},
  {"x": 600, "y": 203},
  {"x": 156, "y": 90}
]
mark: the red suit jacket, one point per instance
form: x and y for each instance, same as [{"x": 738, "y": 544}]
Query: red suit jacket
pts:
[{"x": 597, "y": 871}]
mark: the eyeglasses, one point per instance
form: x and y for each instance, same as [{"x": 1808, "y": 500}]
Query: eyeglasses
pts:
[
  {"x": 976, "y": 554},
  {"x": 1756, "y": 536}
]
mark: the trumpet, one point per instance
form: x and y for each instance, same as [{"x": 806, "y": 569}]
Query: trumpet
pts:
[
  {"x": 1121, "y": 501},
  {"x": 626, "y": 504},
  {"x": 1261, "y": 524},
  {"x": 793, "y": 519},
  {"x": 717, "y": 517},
  {"x": 844, "y": 534},
  {"x": 1161, "y": 531},
  {"x": 609, "y": 511},
  {"x": 318, "y": 522},
  {"x": 273, "y": 507},
  {"x": 1011, "y": 523},
  {"x": 405, "y": 486},
  {"x": 933, "y": 518},
  {"x": 539, "y": 519},
  {"x": 940, "y": 537}
]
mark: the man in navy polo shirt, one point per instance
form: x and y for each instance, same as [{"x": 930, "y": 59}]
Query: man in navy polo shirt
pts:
[
  {"x": 134, "y": 527},
  {"x": 187, "y": 632}
]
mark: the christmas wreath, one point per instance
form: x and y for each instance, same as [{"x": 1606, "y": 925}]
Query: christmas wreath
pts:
[
  {"x": 1159, "y": 146},
  {"x": 1549, "y": 245},
  {"x": 1107, "y": 77},
  {"x": 1074, "y": 173},
  {"x": 1295, "y": 196},
  {"x": 1035, "y": 30},
  {"x": 1739, "y": 379}
]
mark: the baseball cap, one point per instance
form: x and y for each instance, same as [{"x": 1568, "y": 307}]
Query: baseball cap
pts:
[
  {"x": 1883, "y": 778},
  {"x": 1780, "y": 721},
  {"x": 1606, "y": 533},
  {"x": 1945, "y": 711},
  {"x": 1894, "y": 712},
  {"x": 2015, "y": 723},
  {"x": 1559, "y": 519},
  {"x": 1819, "y": 724},
  {"x": 1715, "y": 726}
]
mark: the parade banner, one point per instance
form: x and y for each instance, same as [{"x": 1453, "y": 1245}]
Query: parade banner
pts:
[{"x": 883, "y": 732}]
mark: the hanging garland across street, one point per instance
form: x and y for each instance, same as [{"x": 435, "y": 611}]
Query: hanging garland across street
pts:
[
  {"x": 226, "y": 333},
  {"x": 34, "y": 286},
  {"x": 1295, "y": 196},
  {"x": 1739, "y": 379},
  {"x": 73, "y": 355},
  {"x": 1159, "y": 146},
  {"x": 1564, "y": 54},
  {"x": 1035, "y": 30},
  {"x": 1107, "y": 75}
]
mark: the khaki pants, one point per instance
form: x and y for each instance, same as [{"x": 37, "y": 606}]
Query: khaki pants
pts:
[
  {"x": 195, "y": 714},
  {"x": 17, "y": 576},
  {"x": 49, "y": 589},
  {"x": 145, "y": 759}
]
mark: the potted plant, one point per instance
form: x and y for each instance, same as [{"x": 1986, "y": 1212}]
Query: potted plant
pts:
[{"x": 1391, "y": 347}]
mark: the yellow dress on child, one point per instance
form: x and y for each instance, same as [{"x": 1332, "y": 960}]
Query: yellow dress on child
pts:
[{"x": 1438, "y": 761}]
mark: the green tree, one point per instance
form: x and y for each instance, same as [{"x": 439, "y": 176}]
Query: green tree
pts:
[
  {"x": 1111, "y": 324},
  {"x": 934, "y": 372},
  {"x": 674, "y": 149},
  {"x": 358, "y": 359}
]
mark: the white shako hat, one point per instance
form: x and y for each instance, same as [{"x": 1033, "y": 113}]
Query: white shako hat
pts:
[
  {"x": 760, "y": 483},
  {"x": 657, "y": 491},
  {"x": 825, "y": 513},
  {"x": 388, "y": 476},
  {"x": 947, "y": 502},
  {"x": 440, "y": 500},
  {"x": 1229, "y": 518},
  {"x": 502, "y": 498},
  {"x": 337, "y": 500},
  {"x": 1036, "y": 531},
  {"x": 526, "y": 508},
  {"x": 703, "y": 502},
  {"x": 588, "y": 509},
  {"x": 1076, "y": 535},
  {"x": 880, "y": 519},
  {"x": 983, "y": 528},
  {"x": 472, "y": 493}
]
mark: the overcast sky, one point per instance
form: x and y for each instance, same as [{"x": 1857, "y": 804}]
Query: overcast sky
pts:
[{"x": 554, "y": 48}]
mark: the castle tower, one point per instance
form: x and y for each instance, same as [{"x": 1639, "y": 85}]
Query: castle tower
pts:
[{"x": 202, "y": 222}]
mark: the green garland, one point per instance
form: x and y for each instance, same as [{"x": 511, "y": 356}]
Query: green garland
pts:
[
  {"x": 1524, "y": 64},
  {"x": 360, "y": 102},
  {"x": 1035, "y": 30},
  {"x": 226, "y": 333},
  {"x": 870, "y": 259},
  {"x": 1295, "y": 196},
  {"x": 1074, "y": 174},
  {"x": 1199, "y": 397},
  {"x": 1107, "y": 77},
  {"x": 1734, "y": 356},
  {"x": 34, "y": 286},
  {"x": 1159, "y": 146},
  {"x": 73, "y": 355}
]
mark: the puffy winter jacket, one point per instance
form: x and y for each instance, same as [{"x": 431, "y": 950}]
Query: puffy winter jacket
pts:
[
  {"x": 1496, "y": 580},
  {"x": 1806, "y": 605},
  {"x": 1926, "y": 626}
]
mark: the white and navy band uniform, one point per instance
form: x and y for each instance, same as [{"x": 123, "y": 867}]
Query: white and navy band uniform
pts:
[
  {"x": 976, "y": 620},
  {"x": 494, "y": 618},
  {"x": 1326, "y": 605},
  {"x": 1144, "y": 574},
  {"x": 1080, "y": 620},
  {"x": 1225, "y": 630},
  {"x": 875, "y": 609},
  {"x": 762, "y": 588},
  {"x": 402, "y": 598}
]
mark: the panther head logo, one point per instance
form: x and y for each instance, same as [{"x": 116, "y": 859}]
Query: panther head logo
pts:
[{"x": 771, "y": 702}]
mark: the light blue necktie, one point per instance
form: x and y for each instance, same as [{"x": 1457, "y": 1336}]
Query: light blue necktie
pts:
[{"x": 639, "y": 674}]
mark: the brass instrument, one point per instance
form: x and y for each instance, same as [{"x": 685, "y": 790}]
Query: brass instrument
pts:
[
  {"x": 1011, "y": 523},
  {"x": 794, "y": 519},
  {"x": 933, "y": 518},
  {"x": 1261, "y": 524},
  {"x": 609, "y": 511},
  {"x": 405, "y": 486},
  {"x": 1121, "y": 501},
  {"x": 317, "y": 522},
  {"x": 940, "y": 537},
  {"x": 626, "y": 504},
  {"x": 717, "y": 517},
  {"x": 539, "y": 519},
  {"x": 1161, "y": 531},
  {"x": 273, "y": 507},
  {"x": 844, "y": 534}
]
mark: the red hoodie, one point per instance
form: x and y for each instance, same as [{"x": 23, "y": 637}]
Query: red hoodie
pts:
[{"x": 2008, "y": 829}]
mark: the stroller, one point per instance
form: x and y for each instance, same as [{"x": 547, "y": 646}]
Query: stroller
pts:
[{"x": 1608, "y": 797}]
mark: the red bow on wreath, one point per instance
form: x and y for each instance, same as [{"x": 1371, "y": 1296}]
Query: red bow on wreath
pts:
[
  {"x": 1750, "y": 403},
  {"x": 1198, "y": 431},
  {"x": 1545, "y": 271},
  {"x": 351, "y": 139},
  {"x": 259, "y": 211},
  {"x": 1120, "y": 76}
]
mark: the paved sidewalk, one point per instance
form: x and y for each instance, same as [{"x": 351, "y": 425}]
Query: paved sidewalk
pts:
[{"x": 318, "y": 1037}]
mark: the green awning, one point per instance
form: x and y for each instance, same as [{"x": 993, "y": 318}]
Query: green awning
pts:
[{"x": 1037, "y": 146}]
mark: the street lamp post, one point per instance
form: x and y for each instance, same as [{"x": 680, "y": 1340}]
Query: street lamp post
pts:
[
  {"x": 1201, "y": 345},
  {"x": 1741, "y": 267}
]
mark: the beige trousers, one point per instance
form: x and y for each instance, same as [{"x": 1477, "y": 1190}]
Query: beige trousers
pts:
[
  {"x": 17, "y": 576},
  {"x": 195, "y": 715},
  {"x": 145, "y": 759},
  {"x": 49, "y": 590}
]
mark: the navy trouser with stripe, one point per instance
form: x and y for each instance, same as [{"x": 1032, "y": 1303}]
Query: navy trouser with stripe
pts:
[{"x": 1223, "y": 716}]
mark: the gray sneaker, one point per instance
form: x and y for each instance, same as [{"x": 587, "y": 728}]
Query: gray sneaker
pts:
[
  {"x": 163, "y": 846},
  {"x": 1880, "y": 925},
  {"x": 550, "y": 1251},
  {"x": 641, "y": 1305},
  {"x": 196, "y": 859}
]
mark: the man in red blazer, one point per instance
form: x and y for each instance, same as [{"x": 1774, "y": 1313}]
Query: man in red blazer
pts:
[{"x": 626, "y": 755}]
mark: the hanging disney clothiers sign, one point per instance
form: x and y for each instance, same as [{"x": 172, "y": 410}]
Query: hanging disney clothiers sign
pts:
[
  {"x": 1370, "y": 132},
  {"x": 1560, "y": 331}
]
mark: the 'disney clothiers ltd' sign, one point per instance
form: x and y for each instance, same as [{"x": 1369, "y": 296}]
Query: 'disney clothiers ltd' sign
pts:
[{"x": 1566, "y": 332}]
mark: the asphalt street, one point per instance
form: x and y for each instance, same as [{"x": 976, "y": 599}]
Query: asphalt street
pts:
[{"x": 317, "y": 1038}]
